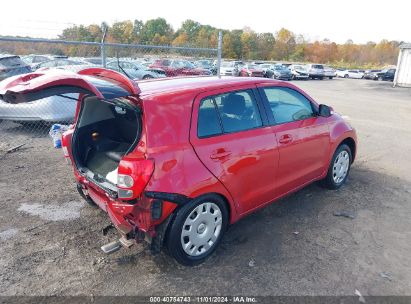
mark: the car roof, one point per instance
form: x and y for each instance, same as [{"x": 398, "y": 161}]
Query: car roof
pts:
[{"x": 163, "y": 86}]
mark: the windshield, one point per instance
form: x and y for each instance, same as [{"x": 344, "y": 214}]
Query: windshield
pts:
[
  {"x": 11, "y": 61},
  {"x": 227, "y": 64},
  {"x": 299, "y": 68},
  {"x": 131, "y": 73},
  {"x": 188, "y": 65}
]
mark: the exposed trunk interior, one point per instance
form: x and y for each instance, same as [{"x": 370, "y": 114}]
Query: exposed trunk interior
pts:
[{"x": 106, "y": 131}]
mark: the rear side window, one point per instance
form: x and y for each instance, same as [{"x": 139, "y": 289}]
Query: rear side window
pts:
[
  {"x": 288, "y": 105},
  {"x": 318, "y": 66},
  {"x": 228, "y": 113},
  {"x": 208, "y": 120}
]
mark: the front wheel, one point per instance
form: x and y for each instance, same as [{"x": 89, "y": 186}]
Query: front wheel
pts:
[
  {"x": 339, "y": 168},
  {"x": 197, "y": 229}
]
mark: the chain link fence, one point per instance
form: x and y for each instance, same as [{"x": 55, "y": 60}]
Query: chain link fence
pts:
[{"x": 20, "y": 123}]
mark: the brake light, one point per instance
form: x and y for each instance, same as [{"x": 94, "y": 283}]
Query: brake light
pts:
[
  {"x": 133, "y": 177},
  {"x": 65, "y": 143}
]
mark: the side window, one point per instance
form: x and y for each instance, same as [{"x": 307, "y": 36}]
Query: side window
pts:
[
  {"x": 208, "y": 120},
  {"x": 238, "y": 111},
  {"x": 228, "y": 113},
  {"x": 288, "y": 105}
]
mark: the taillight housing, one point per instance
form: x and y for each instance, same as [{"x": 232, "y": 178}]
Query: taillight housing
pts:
[
  {"x": 65, "y": 144},
  {"x": 133, "y": 176}
]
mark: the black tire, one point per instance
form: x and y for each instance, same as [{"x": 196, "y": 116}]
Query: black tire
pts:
[
  {"x": 173, "y": 240},
  {"x": 330, "y": 77},
  {"x": 328, "y": 182},
  {"x": 321, "y": 78},
  {"x": 346, "y": 76}
]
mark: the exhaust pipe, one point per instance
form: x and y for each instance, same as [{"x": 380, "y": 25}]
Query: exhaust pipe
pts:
[
  {"x": 116, "y": 245},
  {"x": 111, "y": 247}
]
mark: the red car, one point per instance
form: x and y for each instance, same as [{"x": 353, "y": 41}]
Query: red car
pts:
[
  {"x": 179, "y": 68},
  {"x": 175, "y": 161},
  {"x": 252, "y": 70}
]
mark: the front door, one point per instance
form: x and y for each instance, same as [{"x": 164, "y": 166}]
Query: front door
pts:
[{"x": 303, "y": 137}]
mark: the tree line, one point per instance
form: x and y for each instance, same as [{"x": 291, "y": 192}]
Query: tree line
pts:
[{"x": 244, "y": 44}]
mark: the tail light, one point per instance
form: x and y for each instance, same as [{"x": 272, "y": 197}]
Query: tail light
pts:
[
  {"x": 133, "y": 177},
  {"x": 65, "y": 144}
]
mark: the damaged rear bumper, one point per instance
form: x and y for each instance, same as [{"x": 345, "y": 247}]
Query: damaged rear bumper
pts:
[{"x": 145, "y": 219}]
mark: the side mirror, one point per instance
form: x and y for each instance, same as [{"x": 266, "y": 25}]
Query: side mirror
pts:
[{"x": 324, "y": 110}]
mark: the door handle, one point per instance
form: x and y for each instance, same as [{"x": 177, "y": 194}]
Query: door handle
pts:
[
  {"x": 219, "y": 154},
  {"x": 285, "y": 139}
]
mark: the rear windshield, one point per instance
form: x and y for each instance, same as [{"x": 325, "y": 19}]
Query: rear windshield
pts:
[{"x": 11, "y": 62}]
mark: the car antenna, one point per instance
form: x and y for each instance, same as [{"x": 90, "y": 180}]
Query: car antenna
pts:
[{"x": 118, "y": 63}]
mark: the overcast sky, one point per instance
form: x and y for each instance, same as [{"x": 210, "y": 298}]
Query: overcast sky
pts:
[{"x": 359, "y": 20}]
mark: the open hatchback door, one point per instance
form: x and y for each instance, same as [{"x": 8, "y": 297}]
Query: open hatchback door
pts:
[
  {"x": 102, "y": 83},
  {"x": 107, "y": 123}
]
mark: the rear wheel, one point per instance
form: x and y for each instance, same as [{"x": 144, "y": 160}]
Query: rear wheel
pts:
[
  {"x": 339, "y": 168},
  {"x": 346, "y": 76},
  {"x": 197, "y": 229}
]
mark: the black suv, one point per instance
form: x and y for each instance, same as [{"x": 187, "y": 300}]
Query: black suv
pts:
[{"x": 387, "y": 74}]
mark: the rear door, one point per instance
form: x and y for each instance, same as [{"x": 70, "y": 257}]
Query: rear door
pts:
[
  {"x": 105, "y": 84},
  {"x": 231, "y": 136},
  {"x": 303, "y": 137}
]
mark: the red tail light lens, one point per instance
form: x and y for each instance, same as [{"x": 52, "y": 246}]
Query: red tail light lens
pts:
[
  {"x": 65, "y": 144},
  {"x": 133, "y": 177}
]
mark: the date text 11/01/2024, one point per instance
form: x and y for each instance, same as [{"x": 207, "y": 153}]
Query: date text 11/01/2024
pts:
[{"x": 203, "y": 299}]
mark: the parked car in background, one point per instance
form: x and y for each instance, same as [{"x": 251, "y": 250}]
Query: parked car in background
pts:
[
  {"x": 176, "y": 67},
  {"x": 371, "y": 74},
  {"x": 135, "y": 70},
  {"x": 207, "y": 65},
  {"x": 240, "y": 64},
  {"x": 33, "y": 60},
  {"x": 298, "y": 71},
  {"x": 281, "y": 72},
  {"x": 387, "y": 74},
  {"x": 229, "y": 68},
  {"x": 94, "y": 60},
  {"x": 57, "y": 63},
  {"x": 11, "y": 65},
  {"x": 356, "y": 74},
  {"x": 52, "y": 109},
  {"x": 251, "y": 70},
  {"x": 315, "y": 71},
  {"x": 329, "y": 72},
  {"x": 267, "y": 69},
  {"x": 174, "y": 162}
]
